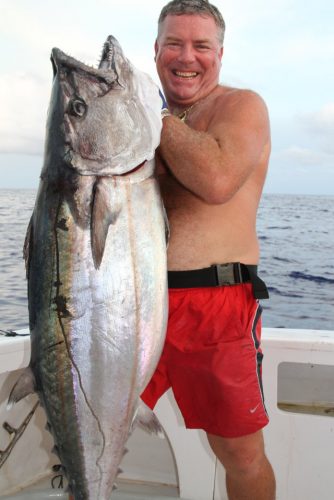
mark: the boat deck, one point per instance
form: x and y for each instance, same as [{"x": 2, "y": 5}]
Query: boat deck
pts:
[{"x": 127, "y": 490}]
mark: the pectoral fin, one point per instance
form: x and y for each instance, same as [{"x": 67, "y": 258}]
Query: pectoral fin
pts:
[
  {"x": 103, "y": 215},
  {"x": 147, "y": 420}
]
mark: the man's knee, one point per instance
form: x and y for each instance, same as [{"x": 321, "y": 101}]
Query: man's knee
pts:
[{"x": 243, "y": 455}]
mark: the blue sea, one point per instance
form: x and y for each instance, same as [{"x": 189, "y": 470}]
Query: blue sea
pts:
[{"x": 297, "y": 259}]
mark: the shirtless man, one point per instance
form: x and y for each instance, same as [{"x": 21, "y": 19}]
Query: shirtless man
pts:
[{"x": 212, "y": 163}]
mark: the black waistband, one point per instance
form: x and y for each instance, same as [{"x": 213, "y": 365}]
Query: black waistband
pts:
[{"x": 219, "y": 275}]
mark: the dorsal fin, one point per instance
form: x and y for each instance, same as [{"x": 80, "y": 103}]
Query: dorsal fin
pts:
[{"x": 25, "y": 385}]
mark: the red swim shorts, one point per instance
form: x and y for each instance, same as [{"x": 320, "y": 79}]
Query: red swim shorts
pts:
[{"x": 212, "y": 360}]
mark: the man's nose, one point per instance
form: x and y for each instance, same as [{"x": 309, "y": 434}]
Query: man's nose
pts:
[{"x": 187, "y": 54}]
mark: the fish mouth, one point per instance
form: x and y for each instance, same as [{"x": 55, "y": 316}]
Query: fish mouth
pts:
[
  {"x": 60, "y": 59},
  {"x": 111, "y": 66},
  {"x": 110, "y": 47},
  {"x": 105, "y": 72},
  {"x": 135, "y": 169}
]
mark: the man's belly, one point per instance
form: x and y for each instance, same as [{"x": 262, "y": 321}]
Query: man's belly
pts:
[
  {"x": 194, "y": 244},
  {"x": 203, "y": 234}
]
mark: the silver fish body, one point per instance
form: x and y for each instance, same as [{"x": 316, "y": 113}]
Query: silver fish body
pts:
[{"x": 96, "y": 265}]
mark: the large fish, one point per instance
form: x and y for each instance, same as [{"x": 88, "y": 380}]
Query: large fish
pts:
[{"x": 96, "y": 265}]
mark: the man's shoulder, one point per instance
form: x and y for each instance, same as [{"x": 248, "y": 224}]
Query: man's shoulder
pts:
[
  {"x": 226, "y": 94},
  {"x": 239, "y": 108},
  {"x": 239, "y": 104}
]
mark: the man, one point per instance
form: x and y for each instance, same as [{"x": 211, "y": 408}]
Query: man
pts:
[{"x": 212, "y": 163}]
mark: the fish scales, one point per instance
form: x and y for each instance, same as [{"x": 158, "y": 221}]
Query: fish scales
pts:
[{"x": 96, "y": 258}]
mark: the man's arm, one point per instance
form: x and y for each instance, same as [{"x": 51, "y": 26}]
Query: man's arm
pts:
[{"x": 215, "y": 164}]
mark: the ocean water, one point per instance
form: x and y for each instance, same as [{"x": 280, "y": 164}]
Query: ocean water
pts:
[
  {"x": 297, "y": 260},
  {"x": 296, "y": 235}
]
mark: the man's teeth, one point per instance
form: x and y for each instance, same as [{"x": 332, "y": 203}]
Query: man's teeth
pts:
[{"x": 186, "y": 74}]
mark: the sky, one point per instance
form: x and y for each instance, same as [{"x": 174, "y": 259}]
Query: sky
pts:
[{"x": 282, "y": 49}]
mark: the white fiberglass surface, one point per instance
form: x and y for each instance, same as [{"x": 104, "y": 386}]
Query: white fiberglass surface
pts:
[{"x": 125, "y": 491}]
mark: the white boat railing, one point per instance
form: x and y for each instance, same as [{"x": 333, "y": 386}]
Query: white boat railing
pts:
[{"x": 298, "y": 374}]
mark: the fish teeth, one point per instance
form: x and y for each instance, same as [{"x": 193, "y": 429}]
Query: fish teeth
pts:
[{"x": 107, "y": 56}]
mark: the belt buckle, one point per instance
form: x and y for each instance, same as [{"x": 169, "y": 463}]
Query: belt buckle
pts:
[{"x": 225, "y": 274}]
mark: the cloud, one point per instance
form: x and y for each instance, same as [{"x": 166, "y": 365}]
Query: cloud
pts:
[
  {"x": 319, "y": 125},
  {"x": 305, "y": 143},
  {"x": 77, "y": 27},
  {"x": 305, "y": 47},
  {"x": 281, "y": 48},
  {"x": 297, "y": 155},
  {"x": 321, "y": 121},
  {"x": 31, "y": 29},
  {"x": 24, "y": 101}
]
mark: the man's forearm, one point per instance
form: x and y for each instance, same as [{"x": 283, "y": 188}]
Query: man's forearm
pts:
[{"x": 194, "y": 158}]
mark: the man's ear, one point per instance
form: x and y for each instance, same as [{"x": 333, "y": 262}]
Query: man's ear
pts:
[{"x": 156, "y": 48}]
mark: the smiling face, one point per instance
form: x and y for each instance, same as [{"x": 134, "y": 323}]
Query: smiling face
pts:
[{"x": 188, "y": 58}]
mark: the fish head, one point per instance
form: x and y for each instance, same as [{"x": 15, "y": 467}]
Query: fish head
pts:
[{"x": 108, "y": 118}]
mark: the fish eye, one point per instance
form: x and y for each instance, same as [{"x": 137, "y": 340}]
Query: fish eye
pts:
[{"x": 77, "y": 107}]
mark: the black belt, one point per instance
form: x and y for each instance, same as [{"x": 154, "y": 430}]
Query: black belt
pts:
[{"x": 219, "y": 275}]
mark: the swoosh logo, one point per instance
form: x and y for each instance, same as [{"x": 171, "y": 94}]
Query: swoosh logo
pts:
[{"x": 253, "y": 410}]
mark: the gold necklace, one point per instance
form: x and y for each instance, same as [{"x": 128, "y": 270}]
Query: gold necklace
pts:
[{"x": 184, "y": 114}]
